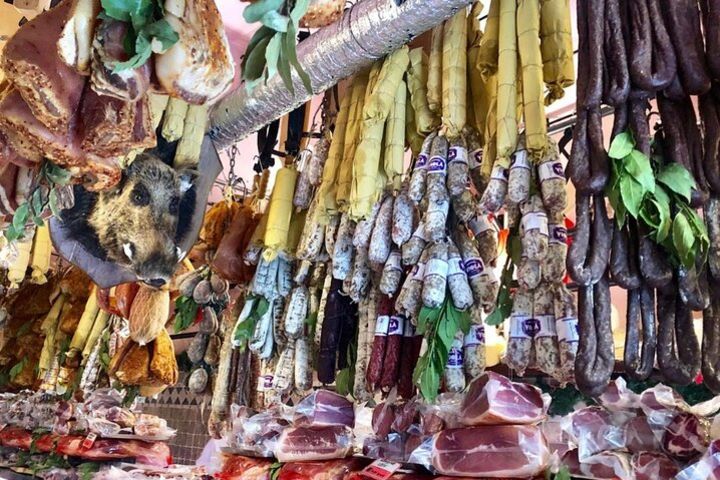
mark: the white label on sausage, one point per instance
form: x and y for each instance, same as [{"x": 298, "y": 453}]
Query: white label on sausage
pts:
[
  {"x": 409, "y": 330},
  {"x": 547, "y": 326},
  {"x": 382, "y": 326},
  {"x": 520, "y": 159},
  {"x": 523, "y": 326},
  {"x": 457, "y": 154},
  {"x": 455, "y": 267},
  {"x": 437, "y": 165},
  {"x": 557, "y": 233},
  {"x": 393, "y": 262},
  {"x": 479, "y": 224},
  {"x": 455, "y": 355},
  {"x": 396, "y": 326},
  {"x": 421, "y": 162},
  {"x": 420, "y": 232},
  {"x": 567, "y": 330},
  {"x": 475, "y": 159},
  {"x": 499, "y": 173},
  {"x": 551, "y": 171},
  {"x": 475, "y": 336},
  {"x": 418, "y": 271},
  {"x": 535, "y": 221},
  {"x": 436, "y": 266}
]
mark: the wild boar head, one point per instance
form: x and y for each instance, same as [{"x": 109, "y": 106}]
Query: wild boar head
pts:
[{"x": 138, "y": 222}]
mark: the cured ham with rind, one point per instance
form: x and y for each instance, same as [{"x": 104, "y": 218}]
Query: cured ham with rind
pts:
[
  {"x": 602, "y": 466},
  {"x": 653, "y": 466},
  {"x": 493, "y": 399},
  {"x": 302, "y": 444},
  {"x": 513, "y": 451},
  {"x": 324, "y": 408}
]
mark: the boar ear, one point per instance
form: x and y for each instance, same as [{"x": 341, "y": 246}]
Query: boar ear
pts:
[{"x": 188, "y": 179}]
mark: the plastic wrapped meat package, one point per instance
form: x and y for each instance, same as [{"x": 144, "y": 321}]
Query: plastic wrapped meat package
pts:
[
  {"x": 152, "y": 426},
  {"x": 706, "y": 468},
  {"x": 236, "y": 467},
  {"x": 653, "y": 466},
  {"x": 256, "y": 433},
  {"x": 595, "y": 430},
  {"x": 493, "y": 399},
  {"x": 617, "y": 397},
  {"x": 328, "y": 470},
  {"x": 601, "y": 466},
  {"x": 324, "y": 408},
  {"x": 302, "y": 444},
  {"x": 512, "y": 451}
]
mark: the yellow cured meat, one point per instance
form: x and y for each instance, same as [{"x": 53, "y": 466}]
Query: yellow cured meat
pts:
[
  {"x": 454, "y": 75},
  {"x": 328, "y": 185},
  {"x": 352, "y": 134},
  {"x": 279, "y": 213},
  {"x": 414, "y": 139},
  {"x": 507, "y": 127},
  {"x": 557, "y": 47},
  {"x": 488, "y": 54},
  {"x": 41, "y": 252},
  {"x": 417, "y": 79},
  {"x": 528, "y": 28},
  {"x": 434, "y": 81},
  {"x": 479, "y": 92},
  {"x": 395, "y": 138}
]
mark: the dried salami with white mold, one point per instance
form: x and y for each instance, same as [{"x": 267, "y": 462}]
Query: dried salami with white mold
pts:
[
  {"x": 413, "y": 248},
  {"x": 454, "y": 376},
  {"x": 475, "y": 158},
  {"x": 553, "y": 268},
  {"x": 520, "y": 174},
  {"x": 458, "y": 177},
  {"x": 364, "y": 228},
  {"x": 474, "y": 346},
  {"x": 547, "y": 353},
  {"x": 360, "y": 276},
  {"x": 493, "y": 198},
  {"x": 331, "y": 231},
  {"x": 317, "y": 162},
  {"x": 566, "y": 323},
  {"x": 302, "y": 271},
  {"x": 464, "y": 205},
  {"x": 486, "y": 236},
  {"x": 483, "y": 282},
  {"x": 534, "y": 229},
  {"x": 264, "y": 282},
  {"x": 435, "y": 278},
  {"x": 303, "y": 187},
  {"x": 303, "y": 365},
  {"x": 438, "y": 199},
  {"x": 457, "y": 279},
  {"x": 391, "y": 274},
  {"x": 342, "y": 250},
  {"x": 381, "y": 238},
  {"x": 551, "y": 176},
  {"x": 402, "y": 219},
  {"x": 529, "y": 273},
  {"x": 418, "y": 177},
  {"x": 283, "y": 380},
  {"x": 518, "y": 355},
  {"x": 409, "y": 301},
  {"x": 296, "y": 312}
]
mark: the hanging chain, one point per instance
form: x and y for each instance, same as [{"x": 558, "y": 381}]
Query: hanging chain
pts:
[{"x": 232, "y": 176}]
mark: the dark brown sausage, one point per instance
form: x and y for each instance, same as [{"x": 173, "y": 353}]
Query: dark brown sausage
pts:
[
  {"x": 599, "y": 164},
  {"x": 335, "y": 312},
  {"x": 580, "y": 248},
  {"x": 377, "y": 353},
  {"x": 595, "y": 35},
  {"x": 690, "y": 289},
  {"x": 711, "y": 138},
  {"x": 578, "y": 169},
  {"x": 654, "y": 267},
  {"x": 640, "y": 46},
  {"x": 682, "y": 19},
  {"x": 391, "y": 364},
  {"x": 620, "y": 120},
  {"x": 596, "y": 354},
  {"x": 664, "y": 62},
  {"x": 639, "y": 124},
  {"x": 602, "y": 231},
  {"x": 623, "y": 262},
  {"x": 617, "y": 86},
  {"x": 678, "y": 350},
  {"x": 641, "y": 310},
  {"x": 711, "y": 24},
  {"x": 411, "y": 346},
  {"x": 711, "y": 341}
]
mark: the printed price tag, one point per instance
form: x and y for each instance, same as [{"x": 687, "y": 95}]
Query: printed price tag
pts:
[
  {"x": 380, "y": 470},
  {"x": 89, "y": 440}
]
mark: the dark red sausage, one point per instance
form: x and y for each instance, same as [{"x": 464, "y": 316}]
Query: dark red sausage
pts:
[{"x": 377, "y": 354}]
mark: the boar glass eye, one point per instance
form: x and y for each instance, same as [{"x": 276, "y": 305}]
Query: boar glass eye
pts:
[{"x": 140, "y": 195}]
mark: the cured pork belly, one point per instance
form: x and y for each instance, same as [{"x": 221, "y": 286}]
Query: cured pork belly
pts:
[
  {"x": 199, "y": 67},
  {"x": 107, "y": 49},
  {"x": 76, "y": 39},
  {"x": 31, "y": 62}
]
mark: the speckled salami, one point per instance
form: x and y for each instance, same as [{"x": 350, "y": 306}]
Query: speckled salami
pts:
[
  {"x": 264, "y": 281},
  {"x": 464, "y": 205},
  {"x": 342, "y": 251},
  {"x": 494, "y": 195},
  {"x": 519, "y": 174},
  {"x": 331, "y": 234},
  {"x": 534, "y": 229},
  {"x": 381, "y": 238},
  {"x": 454, "y": 377},
  {"x": 302, "y": 270},
  {"x": 402, "y": 219},
  {"x": 364, "y": 228},
  {"x": 474, "y": 346},
  {"x": 303, "y": 188},
  {"x": 520, "y": 342},
  {"x": 552, "y": 181},
  {"x": 438, "y": 199},
  {"x": 413, "y": 248},
  {"x": 360, "y": 276},
  {"x": 284, "y": 276},
  {"x": 457, "y": 280},
  {"x": 296, "y": 312},
  {"x": 409, "y": 300},
  {"x": 529, "y": 273},
  {"x": 566, "y": 323},
  {"x": 278, "y": 321},
  {"x": 486, "y": 237},
  {"x": 474, "y": 147},
  {"x": 483, "y": 282},
  {"x": 391, "y": 274},
  {"x": 303, "y": 365},
  {"x": 435, "y": 278},
  {"x": 457, "y": 167},
  {"x": 418, "y": 177},
  {"x": 547, "y": 353},
  {"x": 317, "y": 162},
  {"x": 553, "y": 268}
]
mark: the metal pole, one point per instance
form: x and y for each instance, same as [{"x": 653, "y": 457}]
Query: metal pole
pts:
[{"x": 369, "y": 30}]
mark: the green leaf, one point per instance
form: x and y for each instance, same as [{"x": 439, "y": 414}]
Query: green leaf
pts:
[
  {"x": 17, "y": 368},
  {"x": 284, "y": 64},
  {"x": 292, "y": 56},
  {"x": 683, "y": 240},
  {"x": 162, "y": 32},
  {"x": 255, "y": 61},
  {"x": 678, "y": 179},
  {"x": 262, "y": 32},
  {"x": 342, "y": 382},
  {"x": 56, "y": 174},
  {"x": 276, "y": 21},
  {"x": 632, "y": 195},
  {"x": 426, "y": 318},
  {"x": 621, "y": 145},
  {"x": 256, "y": 10},
  {"x": 53, "y": 202},
  {"x": 21, "y": 216},
  {"x": 143, "y": 50},
  {"x": 117, "y": 9},
  {"x": 272, "y": 55},
  {"x": 299, "y": 11},
  {"x": 37, "y": 202},
  {"x": 638, "y": 165},
  {"x": 429, "y": 383},
  {"x": 663, "y": 229}
]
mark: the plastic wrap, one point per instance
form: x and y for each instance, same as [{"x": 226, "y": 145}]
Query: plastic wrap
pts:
[
  {"x": 653, "y": 466},
  {"x": 706, "y": 468},
  {"x": 324, "y": 408},
  {"x": 512, "y": 451},
  {"x": 303, "y": 444},
  {"x": 331, "y": 470},
  {"x": 595, "y": 430},
  {"x": 602, "y": 466},
  {"x": 493, "y": 399}
]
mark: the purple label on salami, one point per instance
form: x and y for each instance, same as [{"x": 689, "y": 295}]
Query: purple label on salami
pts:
[
  {"x": 396, "y": 325},
  {"x": 267, "y": 381},
  {"x": 452, "y": 154},
  {"x": 437, "y": 165},
  {"x": 531, "y": 327},
  {"x": 476, "y": 336},
  {"x": 558, "y": 233},
  {"x": 558, "y": 169},
  {"x": 474, "y": 267},
  {"x": 455, "y": 357},
  {"x": 421, "y": 161}
]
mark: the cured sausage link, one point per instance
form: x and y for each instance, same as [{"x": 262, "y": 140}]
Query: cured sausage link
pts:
[
  {"x": 711, "y": 340},
  {"x": 641, "y": 305},
  {"x": 678, "y": 349}
]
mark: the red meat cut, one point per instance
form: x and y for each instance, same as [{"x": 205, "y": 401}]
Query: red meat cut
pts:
[
  {"x": 493, "y": 399},
  {"x": 313, "y": 443}
]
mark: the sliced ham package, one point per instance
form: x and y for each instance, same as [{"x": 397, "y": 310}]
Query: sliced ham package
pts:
[
  {"x": 493, "y": 399},
  {"x": 304, "y": 444},
  {"x": 324, "y": 408},
  {"x": 707, "y": 468}
]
